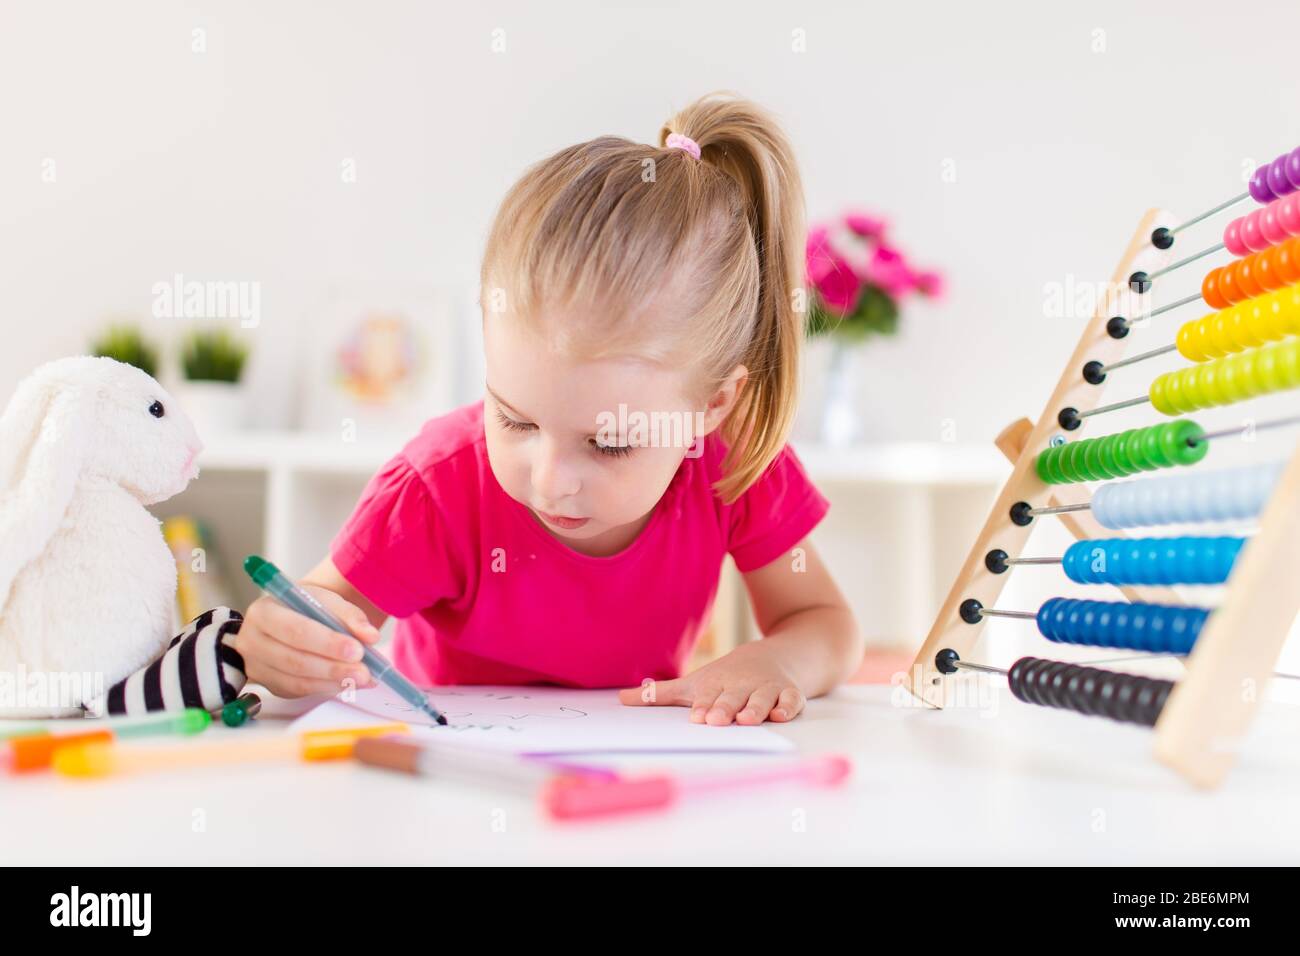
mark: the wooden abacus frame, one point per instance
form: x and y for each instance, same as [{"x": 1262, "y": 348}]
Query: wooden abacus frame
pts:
[{"x": 1232, "y": 660}]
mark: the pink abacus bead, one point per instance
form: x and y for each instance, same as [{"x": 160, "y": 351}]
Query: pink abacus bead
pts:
[
  {"x": 1293, "y": 167},
  {"x": 1251, "y": 237},
  {"x": 1277, "y": 179},
  {"x": 1232, "y": 238},
  {"x": 1288, "y": 214},
  {"x": 1269, "y": 226}
]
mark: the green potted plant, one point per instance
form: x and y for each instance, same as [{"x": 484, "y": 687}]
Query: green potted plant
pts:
[
  {"x": 212, "y": 368},
  {"x": 123, "y": 341}
]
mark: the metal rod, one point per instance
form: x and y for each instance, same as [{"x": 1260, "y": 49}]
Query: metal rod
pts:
[
  {"x": 1033, "y": 560},
  {"x": 1182, "y": 262},
  {"x": 993, "y": 612},
  {"x": 1059, "y": 509},
  {"x": 1206, "y": 215},
  {"x": 966, "y": 665},
  {"x": 1137, "y": 358},
  {"x": 1171, "y": 306},
  {"x": 1102, "y": 409},
  {"x": 1259, "y": 427}
]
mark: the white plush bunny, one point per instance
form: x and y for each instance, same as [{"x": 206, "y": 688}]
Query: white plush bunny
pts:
[{"x": 87, "y": 582}]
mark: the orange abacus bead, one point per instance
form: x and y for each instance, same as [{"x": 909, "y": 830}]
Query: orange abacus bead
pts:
[
  {"x": 1286, "y": 261},
  {"x": 1211, "y": 292},
  {"x": 1244, "y": 276},
  {"x": 1228, "y": 285}
]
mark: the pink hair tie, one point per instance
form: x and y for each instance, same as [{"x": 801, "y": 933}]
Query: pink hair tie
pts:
[{"x": 678, "y": 141}]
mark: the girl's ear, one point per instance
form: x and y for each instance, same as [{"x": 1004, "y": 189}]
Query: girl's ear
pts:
[
  {"x": 724, "y": 398},
  {"x": 44, "y": 434}
]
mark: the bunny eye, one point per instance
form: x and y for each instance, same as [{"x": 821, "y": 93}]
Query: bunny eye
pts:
[{"x": 156, "y": 410}]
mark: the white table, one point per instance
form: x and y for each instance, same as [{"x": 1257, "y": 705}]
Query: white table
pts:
[{"x": 1025, "y": 786}]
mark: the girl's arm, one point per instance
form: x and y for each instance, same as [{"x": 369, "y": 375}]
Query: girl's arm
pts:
[
  {"x": 811, "y": 643},
  {"x": 805, "y": 620}
]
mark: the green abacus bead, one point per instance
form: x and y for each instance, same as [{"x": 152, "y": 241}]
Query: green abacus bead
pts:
[
  {"x": 1093, "y": 467},
  {"x": 1288, "y": 363},
  {"x": 1178, "y": 434},
  {"x": 1152, "y": 453},
  {"x": 1133, "y": 449},
  {"x": 1120, "y": 450},
  {"x": 1106, "y": 455},
  {"x": 1268, "y": 371},
  {"x": 1069, "y": 457},
  {"x": 1054, "y": 458},
  {"x": 1158, "y": 396},
  {"x": 1045, "y": 466}
]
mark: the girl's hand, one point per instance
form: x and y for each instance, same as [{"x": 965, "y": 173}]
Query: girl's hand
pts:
[
  {"x": 293, "y": 656},
  {"x": 749, "y": 685}
]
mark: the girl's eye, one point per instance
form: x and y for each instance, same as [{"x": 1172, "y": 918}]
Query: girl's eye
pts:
[
  {"x": 511, "y": 424},
  {"x": 156, "y": 410},
  {"x": 613, "y": 451}
]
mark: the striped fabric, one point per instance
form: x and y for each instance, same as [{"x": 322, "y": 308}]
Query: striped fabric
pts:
[{"x": 200, "y": 668}]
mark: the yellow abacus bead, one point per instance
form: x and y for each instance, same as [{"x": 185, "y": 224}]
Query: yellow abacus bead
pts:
[
  {"x": 1246, "y": 368},
  {"x": 1288, "y": 307},
  {"x": 1187, "y": 343},
  {"x": 1268, "y": 371},
  {"x": 1219, "y": 341},
  {"x": 1210, "y": 386},
  {"x": 1241, "y": 328},
  {"x": 1288, "y": 363},
  {"x": 1261, "y": 321},
  {"x": 1158, "y": 393}
]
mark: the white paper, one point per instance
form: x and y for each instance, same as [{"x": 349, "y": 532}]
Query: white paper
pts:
[{"x": 544, "y": 720}]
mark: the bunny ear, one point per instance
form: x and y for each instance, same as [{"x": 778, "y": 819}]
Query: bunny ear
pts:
[{"x": 43, "y": 438}]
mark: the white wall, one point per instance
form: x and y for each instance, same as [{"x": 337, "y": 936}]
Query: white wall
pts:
[{"x": 226, "y": 164}]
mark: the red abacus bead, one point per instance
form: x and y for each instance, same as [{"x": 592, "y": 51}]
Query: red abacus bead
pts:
[
  {"x": 1232, "y": 238},
  {"x": 1277, "y": 178},
  {"x": 1228, "y": 286},
  {"x": 1243, "y": 275},
  {"x": 1288, "y": 214},
  {"x": 1269, "y": 226},
  {"x": 1211, "y": 292},
  {"x": 1251, "y": 237}
]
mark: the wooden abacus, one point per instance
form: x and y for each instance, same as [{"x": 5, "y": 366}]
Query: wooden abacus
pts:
[{"x": 1248, "y": 346}]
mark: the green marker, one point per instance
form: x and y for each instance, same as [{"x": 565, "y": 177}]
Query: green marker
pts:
[
  {"x": 188, "y": 721},
  {"x": 238, "y": 711},
  {"x": 268, "y": 577}
]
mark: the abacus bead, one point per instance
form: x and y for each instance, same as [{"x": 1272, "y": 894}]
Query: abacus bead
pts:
[
  {"x": 1043, "y": 465},
  {"x": 1189, "y": 342},
  {"x": 1267, "y": 371},
  {"x": 1248, "y": 319},
  {"x": 1288, "y": 308},
  {"x": 1251, "y": 237},
  {"x": 1228, "y": 286},
  {"x": 1159, "y": 396},
  {"x": 1288, "y": 214},
  {"x": 1293, "y": 167},
  {"x": 1152, "y": 447},
  {"x": 1133, "y": 448},
  {"x": 1183, "y": 430},
  {"x": 1286, "y": 260},
  {"x": 1070, "y": 464},
  {"x": 1270, "y": 226},
  {"x": 1259, "y": 188},
  {"x": 1091, "y": 464},
  {"x": 1119, "y": 444},
  {"x": 1278, "y": 183},
  {"x": 1244, "y": 271},
  {"x": 1219, "y": 339},
  {"x": 1232, "y": 239},
  {"x": 1264, "y": 271},
  {"x": 1211, "y": 292}
]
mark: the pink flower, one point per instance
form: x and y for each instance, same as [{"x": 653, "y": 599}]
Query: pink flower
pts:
[
  {"x": 930, "y": 284},
  {"x": 830, "y": 274},
  {"x": 869, "y": 227},
  {"x": 890, "y": 271}
]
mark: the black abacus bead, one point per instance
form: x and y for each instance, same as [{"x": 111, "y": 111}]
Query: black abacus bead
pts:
[
  {"x": 943, "y": 661},
  {"x": 1093, "y": 374},
  {"x": 996, "y": 561},
  {"x": 1068, "y": 418},
  {"x": 1117, "y": 326},
  {"x": 1020, "y": 513},
  {"x": 1128, "y": 698},
  {"x": 970, "y": 611},
  {"x": 1162, "y": 238},
  {"x": 1139, "y": 282}
]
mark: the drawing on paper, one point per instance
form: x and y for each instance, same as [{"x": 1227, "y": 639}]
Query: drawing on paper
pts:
[{"x": 479, "y": 710}]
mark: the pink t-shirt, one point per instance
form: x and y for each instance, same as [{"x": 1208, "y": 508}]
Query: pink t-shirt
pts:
[{"x": 485, "y": 595}]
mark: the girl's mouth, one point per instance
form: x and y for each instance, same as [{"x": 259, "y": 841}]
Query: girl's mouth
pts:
[{"x": 560, "y": 521}]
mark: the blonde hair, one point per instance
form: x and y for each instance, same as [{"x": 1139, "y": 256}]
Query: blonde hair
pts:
[{"x": 603, "y": 231}]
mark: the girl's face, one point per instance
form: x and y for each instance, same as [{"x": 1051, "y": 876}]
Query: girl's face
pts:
[{"x": 560, "y": 444}]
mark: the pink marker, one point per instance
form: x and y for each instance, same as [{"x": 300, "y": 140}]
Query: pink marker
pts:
[{"x": 571, "y": 797}]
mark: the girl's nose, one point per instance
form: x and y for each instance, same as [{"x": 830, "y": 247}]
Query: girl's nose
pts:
[{"x": 554, "y": 477}]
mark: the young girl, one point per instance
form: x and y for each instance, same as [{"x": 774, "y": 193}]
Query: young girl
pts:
[{"x": 642, "y": 342}]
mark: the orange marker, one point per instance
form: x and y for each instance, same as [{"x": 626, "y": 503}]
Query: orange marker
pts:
[
  {"x": 36, "y": 752},
  {"x": 102, "y": 759}
]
